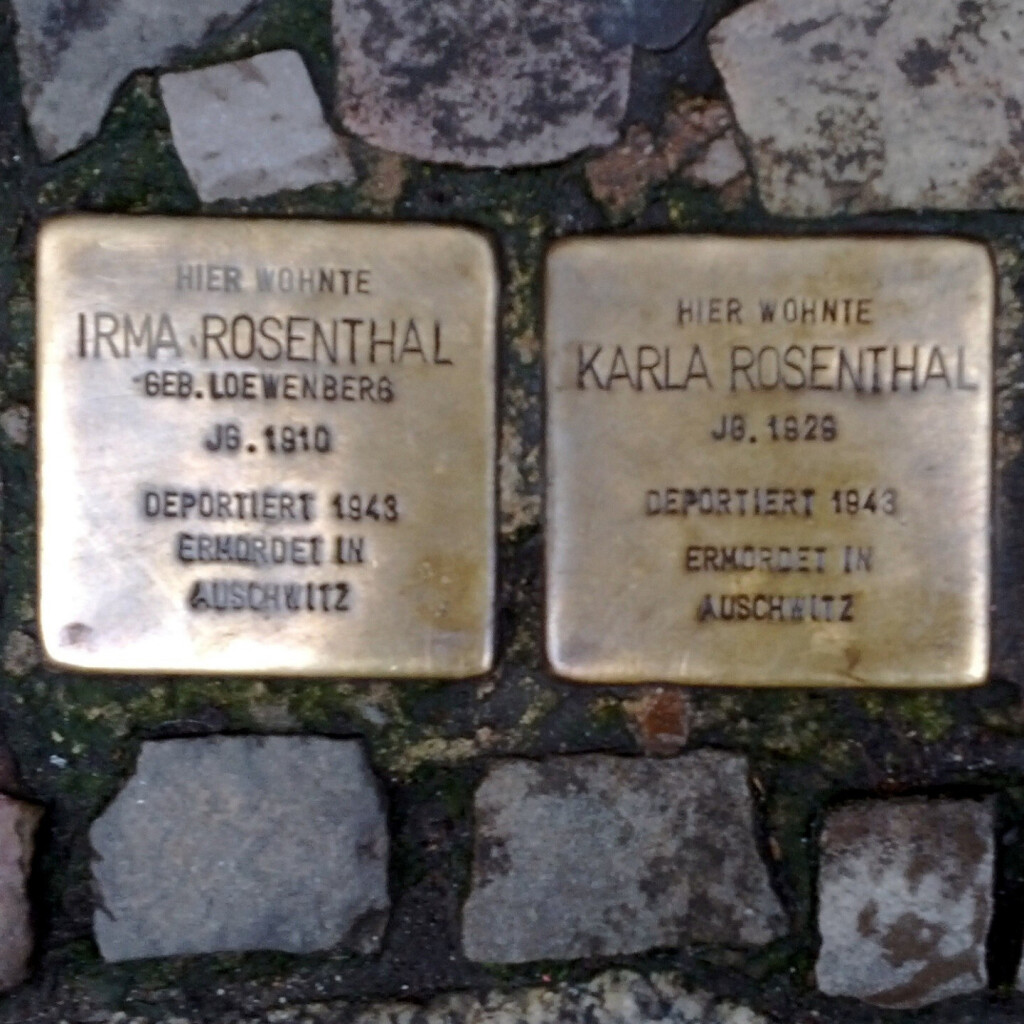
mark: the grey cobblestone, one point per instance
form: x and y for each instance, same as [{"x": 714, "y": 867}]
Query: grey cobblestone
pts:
[
  {"x": 876, "y": 105},
  {"x": 18, "y": 823},
  {"x": 592, "y": 856},
  {"x": 73, "y": 56},
  {"x": 485, "y": 83},
  {"x": 905, "y": 900},
  {"x": 242, "y": 843},
  {"x": 252, "y": 127}
]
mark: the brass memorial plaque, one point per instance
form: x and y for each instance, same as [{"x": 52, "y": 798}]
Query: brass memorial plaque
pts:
[
  {"x": 266, "y": 447},
  {"x": 769, "y": 460}
]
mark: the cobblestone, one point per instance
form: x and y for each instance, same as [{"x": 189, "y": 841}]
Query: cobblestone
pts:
[
  {"x": 18, "y": 824},
  {"x": 485, "y": 83},
  {"x": 905, "y": 900},
  {"x": 73, "y": 56},
  {"x": 252, "y": 128},
  {"x": 847, "y": 107},
  {"x": 592, "y": 856},
  {"x": 875, "y": 105},
  {"x": 242, "y": 843}
]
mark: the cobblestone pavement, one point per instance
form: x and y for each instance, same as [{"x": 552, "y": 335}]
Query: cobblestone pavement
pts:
[{"x": 514, "y": 848}]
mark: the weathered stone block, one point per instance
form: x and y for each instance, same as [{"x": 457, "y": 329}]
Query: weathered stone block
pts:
[
  {"x": 596, "y": 855},
  {"x": 242, "y": 843},
  {"x": 876, "y": 105},
  {"x": 73, "y": 56},
  {"x": 486, "y": 83},
  {"x": 905, "y": 900},
  {"x": 18, "y": 823},
  {"x": 252, "y": 127}
]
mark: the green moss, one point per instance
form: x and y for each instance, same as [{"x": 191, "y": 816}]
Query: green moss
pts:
[
  {"x": 791, "y": 724},
  {"x": 873, "y": 702},
  {"x": 689, "y": 207},
  {"x": 789, "y": 813},
  {"x": 521, "y": 300},
  {"x": 608, "y": 714},
  {"x": 796, "y": 731},
  {"x": 539, "y": 973},
  {"x": 131, "y": 167},
  {"x": 314, "y": 703},
  {"x": 927, "y": 717},
  {"x": 18, "y": 384},
  {"x": 453, "y": 788}
]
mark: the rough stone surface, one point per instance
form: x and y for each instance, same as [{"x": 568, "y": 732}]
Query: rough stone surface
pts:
[
  {"x": 242, "y": 843},
  {"x": 18, "y": 823},
  {"x": 16, "y": 423},
  {"x": 252, "y": 127},
  {"x": 721, "y": 163},
  {"x": 876, "y": 105},
  {"x": 596, "y": 855},
  {"x": 905, "y": 900},
  {"x": 620, "y": 177},
  {"x": 73, "y": 56},
  {"x": 615, "y": 997},
  {"x": 479, "y": 82},
  {"x": 659, "y": 720},
  {"x": 698, "y": 141},
  {"x": 21, "y": 654}
]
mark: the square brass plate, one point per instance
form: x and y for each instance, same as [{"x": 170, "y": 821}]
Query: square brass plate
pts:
[
  {"x": 266, "y": 447},
  {"x": 769, "y": 460}
]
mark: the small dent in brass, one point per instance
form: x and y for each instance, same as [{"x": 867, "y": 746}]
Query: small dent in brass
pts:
[{"x": 76, "y": 634}]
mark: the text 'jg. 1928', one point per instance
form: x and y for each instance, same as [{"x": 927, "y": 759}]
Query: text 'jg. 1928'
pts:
[{"x": 769, "y": 460}]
